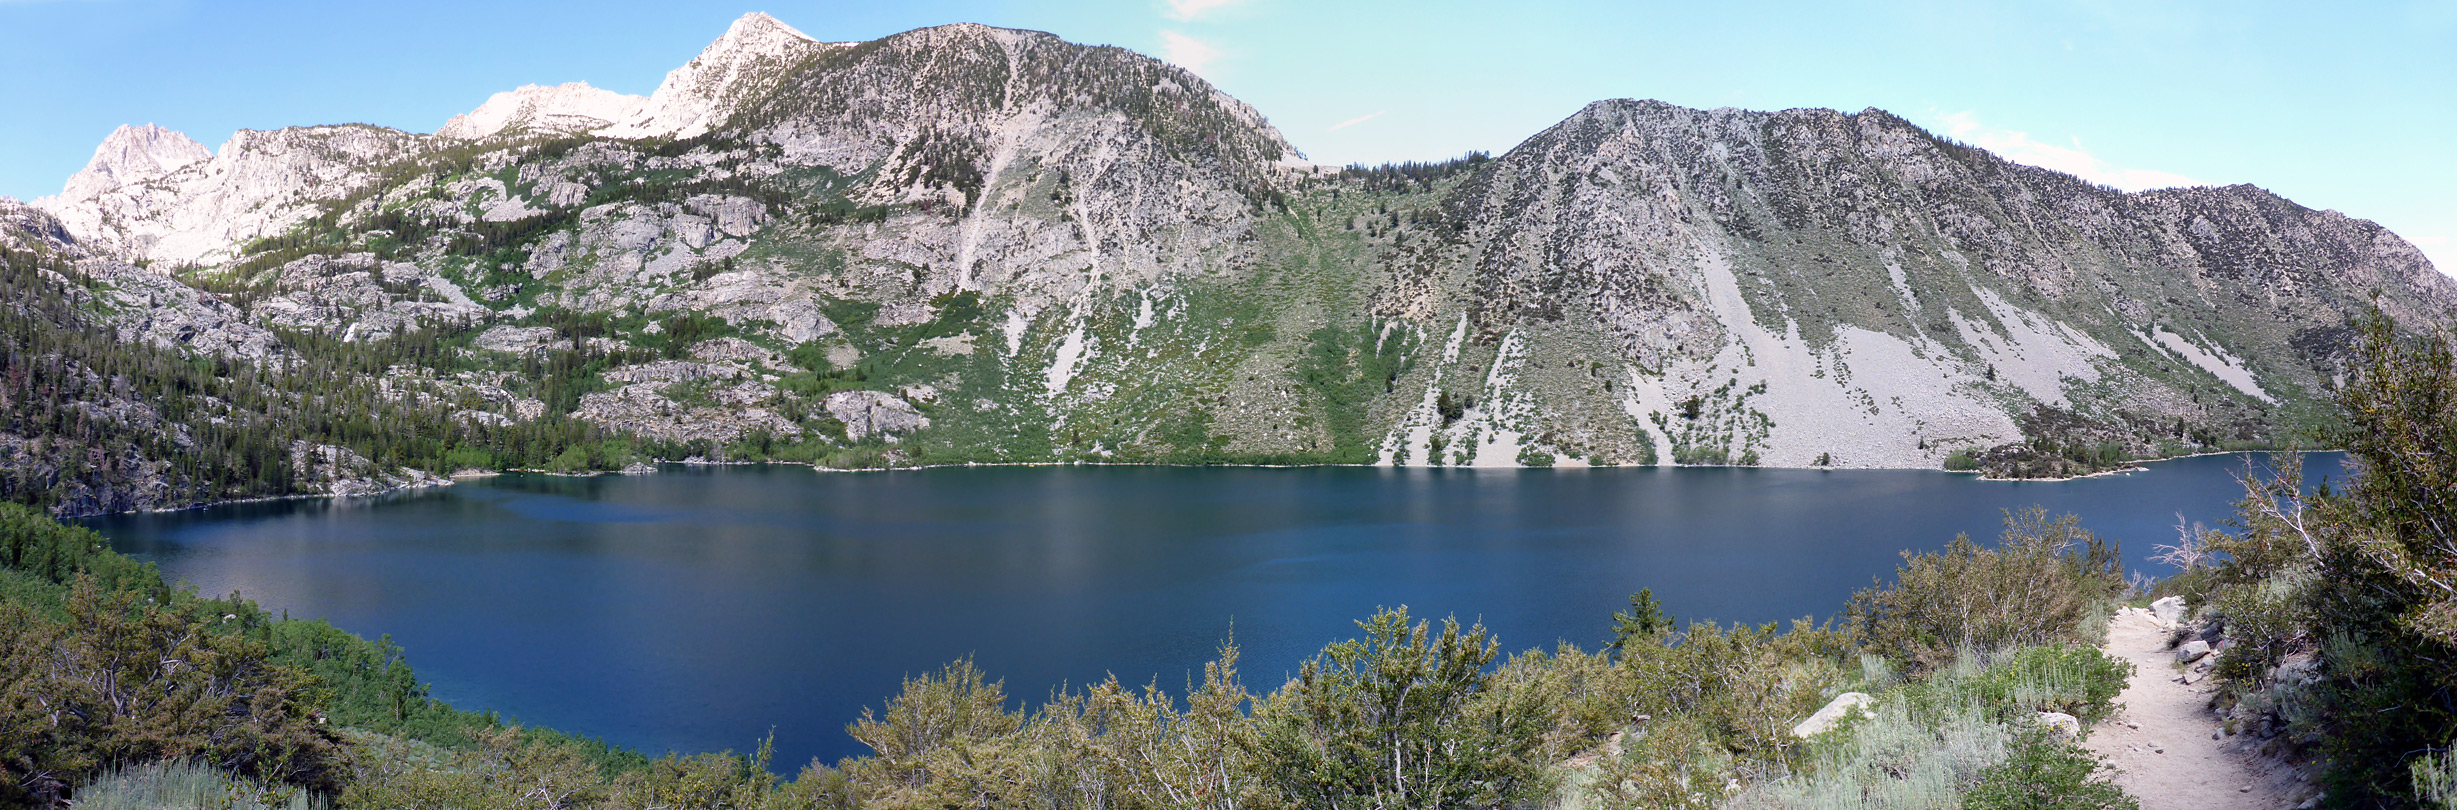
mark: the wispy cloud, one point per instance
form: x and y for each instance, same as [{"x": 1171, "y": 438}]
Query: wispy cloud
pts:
[
  {"x": 2020, "y": 147},
  {"x": 1357, "y": 120},
  {"x": 1194, "y": 9},
  {"x": 1187, "y": 52}
]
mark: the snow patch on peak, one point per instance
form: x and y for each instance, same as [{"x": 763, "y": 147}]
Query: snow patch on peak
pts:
[
  {"x": 132, "y": 154},
  {"x": 748, "y": 59},
  {"x": 570, "y": 107}
]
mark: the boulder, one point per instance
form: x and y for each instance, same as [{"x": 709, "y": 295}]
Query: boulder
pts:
[
  {"x": 2065, "y": 726},
  {"x": 2297, "y": 670},
  {"x": 874, "y": 412},
  {"x": 2192, "y": 651},
  {"x": 2169, "y": 610},
  {"x": 1842, "y": 706},
  {"x": 2213, "y": 629}
]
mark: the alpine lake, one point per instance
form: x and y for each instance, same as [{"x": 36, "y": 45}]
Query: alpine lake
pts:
[{"x": 702, "y": 608}]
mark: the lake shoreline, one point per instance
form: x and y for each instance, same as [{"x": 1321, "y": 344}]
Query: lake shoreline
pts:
[
  {"x": 838, "y": 586},
  {"x": 475, "y": 474}
]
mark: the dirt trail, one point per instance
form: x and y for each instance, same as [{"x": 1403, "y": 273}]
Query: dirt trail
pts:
[{"x": 2162, "y": 737}]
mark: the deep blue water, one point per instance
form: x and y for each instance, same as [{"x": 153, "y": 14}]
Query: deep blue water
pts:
[{"x": 698, "y": 609}]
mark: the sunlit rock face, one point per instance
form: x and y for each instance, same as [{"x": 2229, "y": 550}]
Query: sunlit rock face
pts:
[
  {"x": 563, "y": 109},
  {"x": 153, "y": 195}
]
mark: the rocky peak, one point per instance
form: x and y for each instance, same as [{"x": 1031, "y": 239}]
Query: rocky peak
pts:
[
  {"x": 259, "y": 183},
  {"x": 564, "y": 108},
  {"x": 133, "y": 154},
  {"x": 749, "y": 59}
]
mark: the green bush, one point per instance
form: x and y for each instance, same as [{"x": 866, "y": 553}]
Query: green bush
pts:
[
  {"x": 2080, "y": 681},
  {"x": 571, "y": 460},
  {"x": 33, "y": 544},
  {"x": 2043, "y": 773},
  {"x": 1674, "y": 765},
  {"x": 946, "y": 740},
  {"x": 131, "y": 678},
  {"x": 468, "y": 458},
  {"x": 2048, "y": 582},
  {"x": 2358, "y": 577},
  {"x": 1746, "y": 685},
  {"x": 1403, "y": 717}
]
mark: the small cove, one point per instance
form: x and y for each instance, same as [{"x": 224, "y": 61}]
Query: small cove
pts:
[{"x": 699, "y": 608}]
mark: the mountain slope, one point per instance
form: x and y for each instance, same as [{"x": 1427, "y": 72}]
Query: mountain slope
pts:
[
  {"x": 967, "y": 243},
  {"x": 1900, "y": 297}
]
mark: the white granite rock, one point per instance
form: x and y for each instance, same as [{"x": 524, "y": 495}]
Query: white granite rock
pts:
[
  {"x": 2168, "y": 610},
  {"x": 1842, "y": 706},
  {"x": 867, "y": 413}
]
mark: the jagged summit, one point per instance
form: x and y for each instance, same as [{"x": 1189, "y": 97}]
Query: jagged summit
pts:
[
  {"x": 565, "y": 108},
  {"x": 156, "y": 194},
  {"x": 133, "y": 154},
  {"x": 751, "y": 56},
  {"x": 758, "y": 25}
]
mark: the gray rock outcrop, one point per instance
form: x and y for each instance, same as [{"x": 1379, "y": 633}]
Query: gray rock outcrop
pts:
[
  {"x": 328, "y": 470},
  {"x": 875, "y": 413}
]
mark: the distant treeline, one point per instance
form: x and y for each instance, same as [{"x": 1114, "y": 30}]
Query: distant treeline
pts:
[{"x": 1411, "y": 175}]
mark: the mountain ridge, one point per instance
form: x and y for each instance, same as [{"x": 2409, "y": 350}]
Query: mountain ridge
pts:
[{"x": 966, "y": 243}]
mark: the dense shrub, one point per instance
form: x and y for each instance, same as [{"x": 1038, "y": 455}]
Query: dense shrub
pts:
[
  {"x": 2047, "y": 582},
  {"x": 132, "y": 679},
  {"x": 34, "y": 545},
  {"x": 2362, "y": 580},
  {"x": 1403, "y": 717},
  {"x": 1969, "y": 729},
  {"x": 2040, "y": 773},
  {"x": 1924, "y": 745},
  {"x": 947, "y": 740},
  {"x": 2080, "y": 681},
  {"x": 1673, "y": 765}
]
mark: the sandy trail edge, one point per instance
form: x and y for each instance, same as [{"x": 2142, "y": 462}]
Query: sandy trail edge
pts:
[{"x": 2160, "y": 738}]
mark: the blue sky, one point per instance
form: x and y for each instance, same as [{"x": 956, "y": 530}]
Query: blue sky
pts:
[{"x": 2351, "y": 106}]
